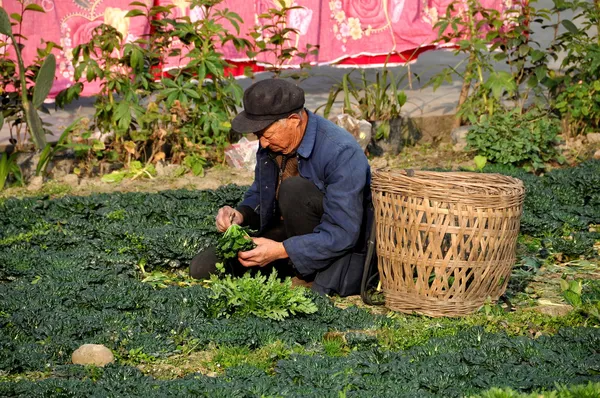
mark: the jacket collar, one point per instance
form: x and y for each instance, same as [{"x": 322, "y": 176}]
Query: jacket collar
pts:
[{"x": 310, "y": 135}]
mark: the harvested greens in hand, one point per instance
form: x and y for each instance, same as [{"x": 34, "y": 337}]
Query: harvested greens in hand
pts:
[{"x": 234, "y": 240}]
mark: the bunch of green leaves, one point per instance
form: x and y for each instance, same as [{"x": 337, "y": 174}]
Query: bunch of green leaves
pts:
[
  {"x": 259, "y": 296},
  {"x": 561, "y": 207},
  {"x": 589, "y": 390},
  {"x": 217, "y": 95},
  {"x": 191, "y": 107},
  {"x": 470, "y": 363},
  {"x": 274, "y": 38},
  {"x": 29, "y": 84},
  {"x": 576, "y": 86},
  {"x": 585, "y": 297},
  {"x": 579, "y": 102},
  {"x": 380, "y": 100},
  {"x": 487, "y": 36},
  {"x": 466, "y": 25},
  {"x": 526, "y": 140},
  {"x": 235, "y": 239}
]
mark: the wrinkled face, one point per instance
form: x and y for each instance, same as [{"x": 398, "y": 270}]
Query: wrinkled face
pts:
[{"x": 281, "y": 136}]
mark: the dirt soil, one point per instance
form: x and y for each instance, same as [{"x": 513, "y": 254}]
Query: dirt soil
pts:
[{"x": 442, "y": 155}]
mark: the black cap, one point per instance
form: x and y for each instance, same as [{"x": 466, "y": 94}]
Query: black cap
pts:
[{"x": 265, "y": 102}]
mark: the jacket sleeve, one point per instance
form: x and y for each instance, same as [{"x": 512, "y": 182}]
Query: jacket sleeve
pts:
[{"x": 345, "y": 179}]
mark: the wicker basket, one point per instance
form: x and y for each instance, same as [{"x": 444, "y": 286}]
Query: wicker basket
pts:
[{"x": 445, "y": 241}]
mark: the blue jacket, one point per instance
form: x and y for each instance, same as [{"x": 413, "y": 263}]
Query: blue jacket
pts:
[{"x": 331, "y": 158}]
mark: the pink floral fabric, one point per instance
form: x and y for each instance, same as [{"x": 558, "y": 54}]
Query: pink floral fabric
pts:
[{"x": 349, "y": 31}]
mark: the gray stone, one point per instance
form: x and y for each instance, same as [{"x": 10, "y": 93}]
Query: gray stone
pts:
[
  {"x": 92, "y": 354},
  {"x": 378, "y": 163},
  {"x": 60, "y": 167},
  {"x": 593, "y": 138},
  {"x": 27, "y": 162},
  {"x": 459, "y": 136},
  {"x": 166, "y": 170},
  {"x": 553, "y": 310},
  {"x": 71, "y": 180},
  {"x": 35, "y": 183}
]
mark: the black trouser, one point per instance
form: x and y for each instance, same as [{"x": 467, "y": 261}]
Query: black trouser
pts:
[{"x": 300, "y": 208}]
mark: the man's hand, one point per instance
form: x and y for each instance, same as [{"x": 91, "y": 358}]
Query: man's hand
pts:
[
  {"x": 265, "y": 252},
  {"x": 227, "y": 216}
]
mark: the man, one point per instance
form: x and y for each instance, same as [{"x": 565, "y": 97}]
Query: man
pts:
[{"x": 310, "y": 199}]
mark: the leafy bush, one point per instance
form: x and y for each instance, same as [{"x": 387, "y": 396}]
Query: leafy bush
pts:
[
  {"x": 511, "y": 138},
  {"x": 259, "y": 296},
  {"x": 589, "y": 390},
  {"x": 576, "y": 88},
  {"x": 468, "y": 363},
  {"x": 561, "y": 206}
]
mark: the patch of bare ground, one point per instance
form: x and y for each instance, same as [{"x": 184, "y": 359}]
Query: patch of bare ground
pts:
[{"x": 179, "y": 366}]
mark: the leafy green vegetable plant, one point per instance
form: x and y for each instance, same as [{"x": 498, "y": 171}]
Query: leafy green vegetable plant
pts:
[
  {"x": 259, "y": 296},
  {"x": 509, "y": 137},
  {"x": 235, "y": 239},
  {"x": 274, "y": 36},
  {"x": 380, "y": 100},
  {"x": 576, "y": 86}
]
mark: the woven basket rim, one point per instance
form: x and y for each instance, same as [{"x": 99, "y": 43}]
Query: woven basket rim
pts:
[
  {"x": 455, "y": 179},
  {"x": 477, "y": 189}
]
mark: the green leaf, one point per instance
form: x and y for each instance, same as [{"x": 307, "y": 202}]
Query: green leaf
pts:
[
  {"x": 501, "y": 81},
  {"x": 34, "y": 123},
  {"x": 34, "y": 7},
  {"x": 5, "y": 26},
  {"x": 480, "y": 162},
  {"x": 570, "y": 26},
  {"x": 122, "y": 115},
  {"x": 44, "y": 81},
  {"x": 115, "y": 176},
  {"x": 213, "y": 69},
  {"x": 134, "y": 13},
  {"x": 191, "y": 93},
  {"x": 137, "y": 59}
]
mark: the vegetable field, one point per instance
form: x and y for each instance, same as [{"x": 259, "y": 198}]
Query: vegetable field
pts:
[{"x": 111, "y": 269}]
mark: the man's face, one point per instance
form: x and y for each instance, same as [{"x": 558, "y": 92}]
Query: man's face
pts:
[{"x": 280, "y": 136}]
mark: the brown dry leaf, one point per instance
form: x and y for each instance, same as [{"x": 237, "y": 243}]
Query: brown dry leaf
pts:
[
  {"x": 159, "y": 156},
  {"x": 130, "y": 147}
]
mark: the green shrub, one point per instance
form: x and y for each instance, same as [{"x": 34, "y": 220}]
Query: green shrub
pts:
[
  {"x": 527, "y": 140},
  {"x": 590, "y": 390},
  {"x": 259, "y": 296}
]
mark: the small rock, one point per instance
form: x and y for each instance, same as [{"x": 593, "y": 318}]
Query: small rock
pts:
[
  {"x": 92, "y": 354},
  {"x": 35, "y": 184},
  {"x": 59, "y": 168},
  {"x": 27, "y": 162},
  {"x": 553, "y": 310},
  {"x": 597, "y": 154},
  {"x": 160, "y": 169},
  {"x": 378, "y": 163},
  {"x": 459, "y": 147},
  {"x": 71, "y": 180},
  {"x": 593, "y": 138},
  {"x": 459, "y": 137},
  {"x": 166, "y": 170}
]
